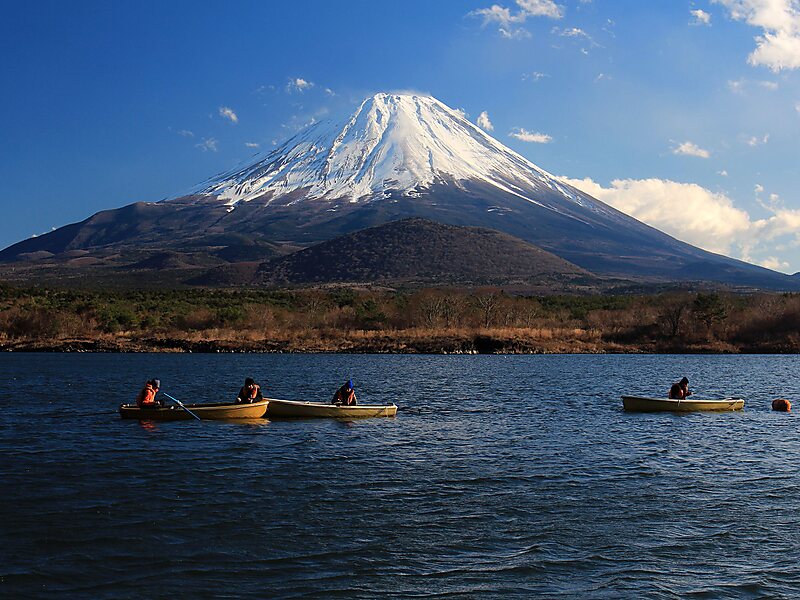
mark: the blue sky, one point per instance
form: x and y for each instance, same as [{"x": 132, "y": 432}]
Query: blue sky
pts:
[{"x": 685, "y": 114}]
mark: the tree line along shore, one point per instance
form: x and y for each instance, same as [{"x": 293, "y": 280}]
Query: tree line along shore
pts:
[{"x": 342, "y": 319}]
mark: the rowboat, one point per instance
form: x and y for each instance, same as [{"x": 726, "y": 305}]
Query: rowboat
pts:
[
  {"x": 642, "y": 404},
  {"x": 216, "y": 411},
  {"x": 294, "y": 408}
]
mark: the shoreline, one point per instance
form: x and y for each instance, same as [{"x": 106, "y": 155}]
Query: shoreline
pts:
[
  {"x": 430, "y": 321},
  {"x": 478, "y": 344}
]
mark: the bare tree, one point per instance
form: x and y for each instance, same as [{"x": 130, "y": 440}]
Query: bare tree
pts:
[
  {"x": 431, "y": 309},
  {"x": 451, "y": 309},
  {"x": 672, "y": 315},
  {"x": 488, "y": 304}
]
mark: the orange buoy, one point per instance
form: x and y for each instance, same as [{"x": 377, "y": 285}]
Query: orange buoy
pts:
[{"x": 781, "y": 404}]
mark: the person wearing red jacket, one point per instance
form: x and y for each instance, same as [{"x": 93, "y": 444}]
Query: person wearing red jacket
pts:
[{"x": 147, "y": 396}]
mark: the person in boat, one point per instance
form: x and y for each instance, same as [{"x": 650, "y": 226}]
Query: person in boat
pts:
[
  {"x": 680, "y": 390},
  {"x": 250, "y": 392},
  {"x": 147, "y": 396},
  {"x": 346, "y": 395}
]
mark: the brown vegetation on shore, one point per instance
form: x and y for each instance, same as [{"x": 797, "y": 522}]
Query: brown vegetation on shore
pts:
[{"x": 426, "y": 321}]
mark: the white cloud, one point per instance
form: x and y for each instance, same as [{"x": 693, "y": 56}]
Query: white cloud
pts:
[
  {"x": 514, "y": 33},
  {"x": 208, "y": 144},
  {"x": 691, "y": 149},
  {"x": 298, "y": 85},
  {"x": 700, "y": 217},
  {"x": 686, "y": 211},
  {"x": 784, "y": 221},
  {"x": 757, "y": 141},
  {"x": 186, "y": 133},
  {"x": 771, "y": 262},
  {"x": 484, "y": 122},
  {"x": 509, "y": 22},
  {"x": 575, "y": 32},
  {"x": 778, "y": 46},
  {"x": 530, "y": 136},
  {"x": 252, "y": 144},
  {"x": 534, "y": 76},
  {"x": 723, "y": 173},
  {"x": 738, "y": 86},
  {"x": 227, "y": 113},
  {"x": 700, "y": 17},
  {"x": 330, "y": 92},
  {"x": 541, "y": 8},
  {"x": 460, "y": 112},
  {"x": 797, "y": 106}
]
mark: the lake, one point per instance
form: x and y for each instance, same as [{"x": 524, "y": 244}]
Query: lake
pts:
[{"x": 500, "y": 476}]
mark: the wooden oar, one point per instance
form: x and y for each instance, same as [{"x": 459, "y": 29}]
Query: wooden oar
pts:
[{"x": 179, "y": 403}]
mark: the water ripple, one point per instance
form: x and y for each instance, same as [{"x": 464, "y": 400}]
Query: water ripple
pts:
[{"x": 501, "y": 476}]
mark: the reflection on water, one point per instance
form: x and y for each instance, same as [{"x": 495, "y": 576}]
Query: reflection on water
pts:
[{"x": 500, "y": 475}]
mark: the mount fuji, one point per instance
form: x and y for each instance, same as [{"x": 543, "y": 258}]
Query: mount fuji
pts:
[{"x": 398, "y": 156}]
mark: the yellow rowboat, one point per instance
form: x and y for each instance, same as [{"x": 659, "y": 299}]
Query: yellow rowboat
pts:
[
  {"x": 216, "y": 411},
  {"x": 293, "y": 408},
  {"x": 642, "y": 404}
]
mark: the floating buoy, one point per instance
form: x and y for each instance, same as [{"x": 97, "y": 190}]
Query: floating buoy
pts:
[{"x": 781, "y": 404}]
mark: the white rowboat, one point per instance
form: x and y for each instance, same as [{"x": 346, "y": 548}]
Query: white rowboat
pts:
[
  {"x": 643, "y": 404},
  {"x": 294, "y": 408}
]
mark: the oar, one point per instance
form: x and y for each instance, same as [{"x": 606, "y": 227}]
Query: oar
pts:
[{"x": 179, "y": 403}]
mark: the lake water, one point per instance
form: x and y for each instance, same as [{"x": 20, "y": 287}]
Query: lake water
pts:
[{"x": 501, "y": 476}]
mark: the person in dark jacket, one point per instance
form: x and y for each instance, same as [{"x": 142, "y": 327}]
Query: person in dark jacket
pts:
[
  {"x": 345, "y": 395},
  {"x": 250, "y": 392},
  {"x": 680, "y": 390}
]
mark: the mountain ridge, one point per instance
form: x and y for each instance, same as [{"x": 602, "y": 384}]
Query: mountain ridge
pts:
[
  {"x": 421, "y": 251},
  {"x": 397, "y": 156}
]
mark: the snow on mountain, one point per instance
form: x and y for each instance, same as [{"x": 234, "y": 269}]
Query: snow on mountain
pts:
[
  {"x": 398, "y": 156},
  {"x": 401, "y": 143}
]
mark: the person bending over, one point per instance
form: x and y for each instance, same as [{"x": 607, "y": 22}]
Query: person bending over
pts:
[
  {"x": 250, "y": 392},
  {"x": 345, "y": 395},
  {"x": 680, "y": 390}
]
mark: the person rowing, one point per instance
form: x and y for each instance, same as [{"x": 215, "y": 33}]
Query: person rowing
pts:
[
  {"x": 250, "y": 392},
  {"x": 680, "y": 390},
  {"x": 146, "y": 398},
  {"x": 345, "y": 395}
]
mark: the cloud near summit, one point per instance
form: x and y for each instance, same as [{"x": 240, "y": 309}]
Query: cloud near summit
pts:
[
  {"x": 484, "y": 122},
  {"x": 698, "y": 216}
]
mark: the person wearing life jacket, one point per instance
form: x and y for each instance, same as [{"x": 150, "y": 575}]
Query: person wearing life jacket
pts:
[
  {"x": 680, "y": 390},
  {"x": 147, "y": 396},
  {"x": 250, "y": 392},
  {"x": 346, "y": 395}
]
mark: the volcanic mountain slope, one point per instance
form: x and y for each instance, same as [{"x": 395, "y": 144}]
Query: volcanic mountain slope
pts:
[
  {"x": 421, "y": 251},
  {"x": 398, "y": 156}
]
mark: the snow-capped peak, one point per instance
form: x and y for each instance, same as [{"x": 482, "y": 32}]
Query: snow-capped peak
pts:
[{"x": 394, "y": 142}]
